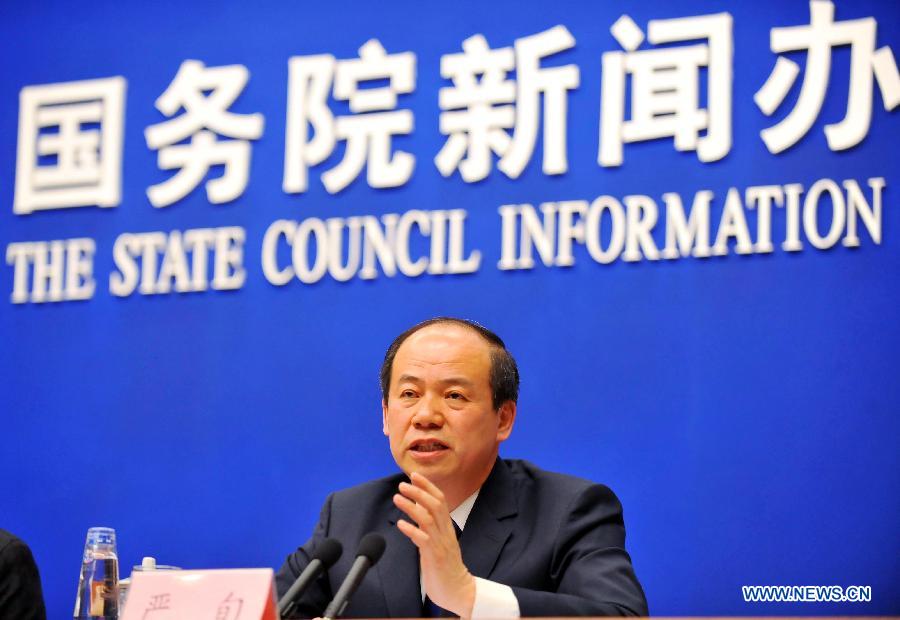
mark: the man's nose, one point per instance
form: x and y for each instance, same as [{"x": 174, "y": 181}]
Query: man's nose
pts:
[{"x": 428, "y": 414}]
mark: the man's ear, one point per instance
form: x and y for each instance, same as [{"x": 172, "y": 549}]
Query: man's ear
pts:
[
  {"x": 507, "y": 417},
  {"x": 384, "y": 426}
]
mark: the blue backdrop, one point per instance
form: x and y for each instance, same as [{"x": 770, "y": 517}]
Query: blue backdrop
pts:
[{"x": 743, "y": 407}]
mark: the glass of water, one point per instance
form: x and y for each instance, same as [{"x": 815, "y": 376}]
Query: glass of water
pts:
[{"x": 98, "y": 585}]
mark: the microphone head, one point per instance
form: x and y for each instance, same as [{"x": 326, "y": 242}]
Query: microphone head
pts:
[
  {"x": 328, "y": 552},
  {"x": 371, "y": 546}
]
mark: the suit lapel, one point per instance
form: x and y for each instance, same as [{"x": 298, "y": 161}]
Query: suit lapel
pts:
[
  {"x": 490, "y": 522},
  {"x": 399, "y": 571}
]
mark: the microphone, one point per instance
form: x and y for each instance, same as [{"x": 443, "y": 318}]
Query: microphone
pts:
[
  {"x": 367, "y": 554},
  {"x": 324, "y": 558}
]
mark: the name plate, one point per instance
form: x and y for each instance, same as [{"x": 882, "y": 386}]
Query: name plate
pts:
[{"x": 240, "y": 594}]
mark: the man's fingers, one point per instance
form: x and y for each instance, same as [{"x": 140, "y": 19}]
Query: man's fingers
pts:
[
  {"x": 424, "y": 483},
  {"x": 417, "y": 536},
  {"x": 420, "y": 496},
  {"x": 414, "y": 511}
]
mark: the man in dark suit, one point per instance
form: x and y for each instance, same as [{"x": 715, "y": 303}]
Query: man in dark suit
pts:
[
  {"x": 20, "y": 583},
  {"x": 471, "y": 534}
]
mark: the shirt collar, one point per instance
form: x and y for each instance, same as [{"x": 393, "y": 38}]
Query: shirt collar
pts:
[{"x": 461, "y": 513}]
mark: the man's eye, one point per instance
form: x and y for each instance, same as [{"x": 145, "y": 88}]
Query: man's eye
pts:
[
  {"x": 407, "y": 394},
  {"x": 455, "y": 395}
]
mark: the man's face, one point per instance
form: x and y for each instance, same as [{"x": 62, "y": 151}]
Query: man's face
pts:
[{"x": 439, "y": 415}]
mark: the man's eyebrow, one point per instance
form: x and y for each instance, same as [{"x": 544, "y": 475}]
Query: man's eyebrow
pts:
[
  {"x": 448, "y": 381},
  {"x": 408, "y": 377},
  {"x": 457, "y": 381}
]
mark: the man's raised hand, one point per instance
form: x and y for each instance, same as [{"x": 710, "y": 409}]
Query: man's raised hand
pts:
[{"x": 448, "y": 583}]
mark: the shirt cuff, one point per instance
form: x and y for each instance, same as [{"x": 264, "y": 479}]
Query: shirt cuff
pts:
[{"x": 494, "y": 600}]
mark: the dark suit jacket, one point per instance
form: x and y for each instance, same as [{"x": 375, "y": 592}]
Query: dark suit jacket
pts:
[
  {"x": 558, "y": 541},
  {"x": 20, "y": 584}
]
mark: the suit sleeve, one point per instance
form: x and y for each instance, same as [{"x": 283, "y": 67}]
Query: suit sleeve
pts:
[
  {"x": 20, "y": 584},
  {"x": 590, "y": 570},
  {"x": 318, "y": 595}
]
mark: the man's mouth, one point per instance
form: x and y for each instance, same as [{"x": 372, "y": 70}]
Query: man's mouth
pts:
[{"x": 428, "y": 445}]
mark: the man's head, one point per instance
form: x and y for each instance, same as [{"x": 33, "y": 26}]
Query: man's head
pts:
[{"x": 449, "y": 398}]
